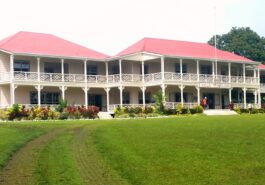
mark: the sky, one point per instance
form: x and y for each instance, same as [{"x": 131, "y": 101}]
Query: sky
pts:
[{"x": 109, "y": 26}]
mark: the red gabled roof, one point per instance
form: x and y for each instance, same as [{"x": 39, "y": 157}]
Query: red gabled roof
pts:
[
  {"x": 180, "y": 49},
  {"x": 47, "y": 44},
  {"x": 262, "y": 66}
]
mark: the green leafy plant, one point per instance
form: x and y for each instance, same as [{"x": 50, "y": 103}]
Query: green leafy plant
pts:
[
  {"x": 61, "y": 106},
  {"x": 159, "y": 101}
]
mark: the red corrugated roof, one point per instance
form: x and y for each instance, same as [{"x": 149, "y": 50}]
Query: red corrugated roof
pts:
[
  {"x": 180, "y": 49},
  {"x": 262, "y": 66},
  {"x": 46, "y": 44}
]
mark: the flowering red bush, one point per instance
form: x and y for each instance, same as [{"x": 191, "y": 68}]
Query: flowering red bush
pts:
[{"x": 89, "y": 112}]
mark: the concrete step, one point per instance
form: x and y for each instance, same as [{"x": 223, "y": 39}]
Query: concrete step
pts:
[
  {"x": 221, "y": 112},
  {"x": 104, "y": 115}
]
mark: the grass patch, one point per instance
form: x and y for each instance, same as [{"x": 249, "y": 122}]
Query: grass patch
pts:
[
  {"x": 186, "y": 150},
  {"x": 12, "y": 137},
  {"x": 56, "y": 163}
]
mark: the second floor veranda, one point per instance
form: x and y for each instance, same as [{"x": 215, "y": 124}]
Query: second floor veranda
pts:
[{"x": 206, "y": 73}]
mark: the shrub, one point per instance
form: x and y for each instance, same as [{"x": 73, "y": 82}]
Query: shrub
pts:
[
  {"x": 199, "y": 109},
  {"x": 122, "y": 116},
  {"x": 179, "y": 109},
  {"x": 237, "y": 110},
  {"x": 89, "y": 112},
  {"x": 61, "y": 106},
  {"x": 170, "y": 111},
  {"x": 254, "y": 111},
  {"x": 185, "y": 111},
  {"x": 63, "y": 115},
  {"x": 193, "y": 111},
  {"x": 148, "y": 109},
  {"x": 3, "y": 114},
  {"x": 16, "y": 112},
  {"x": 153, "y": 115}
]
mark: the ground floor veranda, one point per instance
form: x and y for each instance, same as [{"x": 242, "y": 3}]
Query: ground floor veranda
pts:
[{"x": 109, "y": 98}]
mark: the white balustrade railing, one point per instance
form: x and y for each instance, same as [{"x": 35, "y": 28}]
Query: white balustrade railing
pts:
[
  {"x": 153, "y": 77},
  {"x": 262, "y": 87},
  {"x": 96, "y": 79},
  {"x": 131, "y": 78},
  {"x": 114, "y": 78},
  {"x": 173, "y": 105},
  {"x": 74, "y": 78},
  {"x": 51, "y": 77},
  {"x": 27, "y": 76}
]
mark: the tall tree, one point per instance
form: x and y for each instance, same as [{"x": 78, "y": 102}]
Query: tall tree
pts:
[{"x": 242, "y": 41}]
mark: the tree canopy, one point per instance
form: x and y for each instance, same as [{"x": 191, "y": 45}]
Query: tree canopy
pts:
[{"x": 242, "y": 41}]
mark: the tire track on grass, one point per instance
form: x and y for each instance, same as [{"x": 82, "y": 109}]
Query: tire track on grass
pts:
[
  {"x": 90, "y": 164},
  {"x": 21, "y": 168}
]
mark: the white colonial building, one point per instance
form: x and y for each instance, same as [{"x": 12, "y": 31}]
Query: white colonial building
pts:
[{"x": 39, "y": 69}]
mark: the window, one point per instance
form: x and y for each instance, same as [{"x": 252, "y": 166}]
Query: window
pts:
[
  {"x": 178, "y": 97},
  {"x": 92, "y": 70},
  {"x": 206, "y": 69},
  {"x": 177, "y": 68},
  {"x": 126, "y": 98},
  {"x": 46, "y": 98},
  {"x": 21, "y": 66},
  {"x": 148, "y": 97},
  {"x": 115, "y": 70}
]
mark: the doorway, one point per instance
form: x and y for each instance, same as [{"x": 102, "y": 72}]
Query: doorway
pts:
[
  {"x": 96, "y": 100},
  {"x": 210, "y": 99}
]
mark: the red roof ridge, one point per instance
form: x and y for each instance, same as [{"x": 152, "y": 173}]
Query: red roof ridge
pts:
[
  {"x": 174, "y": 40},
  {"x": 16, "y": 44}
]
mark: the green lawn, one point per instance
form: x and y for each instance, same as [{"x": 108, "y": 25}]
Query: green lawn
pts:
[{"x": 183, "y": 150}]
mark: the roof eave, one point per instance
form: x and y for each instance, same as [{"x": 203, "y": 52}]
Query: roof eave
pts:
[{"x": 57, "y": 56}]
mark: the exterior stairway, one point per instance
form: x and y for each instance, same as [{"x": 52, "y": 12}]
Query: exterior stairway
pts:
[
  {"x": 104, "y": 115},
  {"x": 219, "y": 112}
]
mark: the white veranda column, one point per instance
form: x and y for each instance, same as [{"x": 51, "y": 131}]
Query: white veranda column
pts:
[
  {"x": 142, "y": 71},
  {"x": 143, "y": 94},
  {"x": 255, "y": 98},
  {"x": 12, "y": 93},
  {"x": 198, "y": 95},
  {"x": 63, "y": 89},
  {"x": 258, "y": 76},
  {"x": 181, "y": 94},
  {"x": 120, "y": 67},
  {"x": 62, "y": 69},
  {"x": 198, "y": 70},
  {"x": 85, "y": 71},
  {"x": 163, "y": 87},
  {"x": 162, "y": 68},
  {"x": 229, "y": 72},
  {"x": 107, "y": 94},
  {"x": 244, "y": 73},
  {"x": 245, "y": 97},
  {"x": 38, "y": 68},
  {"x": 230, "y": 95},
  {"x": 86, "y": 89},
  {"x": 39, "y": 88},
  {"x": 121, "y": 95},
  {"x": 107, "y": 71},
  {"x": 181, "y": 69}
]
